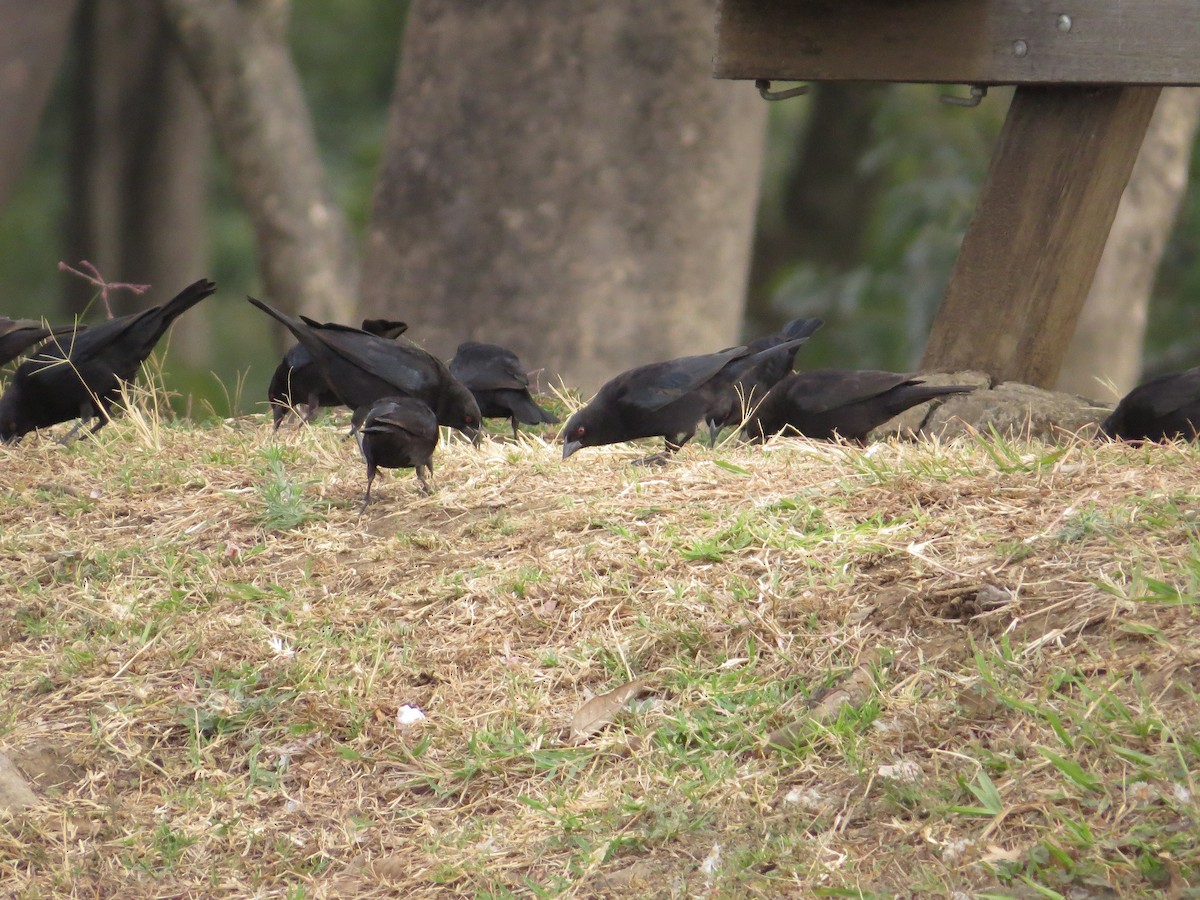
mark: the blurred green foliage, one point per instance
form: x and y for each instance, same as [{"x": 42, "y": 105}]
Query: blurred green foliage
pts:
[
  {"x": 931, "y": 157},
  {"x": 346, "y": 54}
]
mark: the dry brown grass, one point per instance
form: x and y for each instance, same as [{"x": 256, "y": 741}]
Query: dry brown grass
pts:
[{"x": 203, "y": 652}]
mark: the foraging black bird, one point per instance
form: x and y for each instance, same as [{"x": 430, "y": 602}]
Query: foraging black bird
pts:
[
  {"x": 82, "y": 377},
  {"x": 495, "y": 376},
  {"x": 1162, "y": 409},
  {"x": 825, "y": 403},
  {"x": 18, "y": 335},
  {"x": 399, "y": 432},
  {"x": 663, "y": 399},
  {"x": 752, "y": 376},
  {"x": 298, "y": 380},
  {"x": 361, "y": 368}
]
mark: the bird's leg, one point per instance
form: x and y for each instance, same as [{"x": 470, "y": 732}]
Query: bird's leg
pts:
[
  {"x": 66, "y": 438},
  {"x": 714, "y": 431},
  {"x": 86, "y": 411},
  {"x": 658, "y": 459},
  {"x": 514, "y": 425},
  {"x": 356, "y": 420},
  {"x": 425, "y": 489},
  {"x": 370, "y": 478}
]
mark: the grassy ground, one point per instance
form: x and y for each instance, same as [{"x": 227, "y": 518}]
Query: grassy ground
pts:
[{"x": 911, "y": 670}]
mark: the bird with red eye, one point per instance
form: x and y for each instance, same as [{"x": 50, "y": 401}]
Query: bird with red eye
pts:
[{"x": 573, "y": 439}]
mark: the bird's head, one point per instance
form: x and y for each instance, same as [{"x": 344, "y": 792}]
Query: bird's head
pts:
[
  {"x": 458, "y": 409},
  {"x": 580, "y": 431},
  {"x": 13, "y": 421}
]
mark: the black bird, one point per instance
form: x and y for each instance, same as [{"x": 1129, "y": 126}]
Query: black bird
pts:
[
  {"x": 1162, "y": 409},
  {"x": 298, "y": 380},
  {"x": 362, "y": 368},
  {"x": 752, "y": 376},
  {"x": 663, "y": 399},
  {"x": 81, "y": 377},
  {"x": 825, "y": 403},
  {"x": 498, "y": 381},
  {"x": 18, "y": 335},
  {"x": 399, "y": 432}
]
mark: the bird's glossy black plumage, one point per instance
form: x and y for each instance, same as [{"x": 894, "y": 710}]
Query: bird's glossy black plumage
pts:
[
  {"x": 663, "y": 399},
  {"x": 18, "y": 335},
  {"x": 362, "y": 368},
  {"x": 753, "y": 375},
  {"x": 495, "y": 376},
  {"x": 1162, "y": 409},
  {"x": 825, "y": 403},
  {"x": 80, "y": 376},
  {"x": 298, "y": 380},
  {"x": 398, "y": 433}
]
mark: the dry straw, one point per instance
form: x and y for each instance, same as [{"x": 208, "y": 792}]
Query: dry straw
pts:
[{"x": 916, "y": 667}]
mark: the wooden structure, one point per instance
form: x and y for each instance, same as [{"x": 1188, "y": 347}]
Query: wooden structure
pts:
[{"x": 1088, "y": 75}]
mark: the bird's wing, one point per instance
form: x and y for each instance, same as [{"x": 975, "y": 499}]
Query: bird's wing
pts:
[
  {"x": 1168, "y": 393},
  {"x": 385, "y": 328},
  {"x": 488, "y": 367},
  {"x": 297, "y": 356},
  {"x": 653, "y": 386},
  {"x": 411, "y": 417},
  {"x": 822, "y": 390},
  {"x": 399, "y": 363}
]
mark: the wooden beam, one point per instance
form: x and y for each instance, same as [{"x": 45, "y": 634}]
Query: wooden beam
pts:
[
  {"x": 961, "y": 41},
  {"x": 1031, "y": 250}
]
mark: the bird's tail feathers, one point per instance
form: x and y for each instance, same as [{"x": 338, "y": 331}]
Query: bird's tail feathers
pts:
[
  {"x": 187, "y": 298},
  {"x": 801, "y": 328}
]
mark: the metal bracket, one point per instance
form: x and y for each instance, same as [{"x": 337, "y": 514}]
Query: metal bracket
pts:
[
  {"x": 764, "y": 91},
  {"x": 978, "y": 92}
]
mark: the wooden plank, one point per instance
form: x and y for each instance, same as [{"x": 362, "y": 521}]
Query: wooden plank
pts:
[
  {"x": 1044, "y": 213},
  {"x": 961, "y": 41}
]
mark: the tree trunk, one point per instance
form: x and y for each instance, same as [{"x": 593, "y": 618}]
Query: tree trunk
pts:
[
  {"x": 1105, "y": 355},
  {"x": 566, "y": 179},
  {"x": 138, "y": 162},
  {"x": 32, "y": 39},
  {"x": 825, "y": 202},
  {"x": 238, "y": 56}
]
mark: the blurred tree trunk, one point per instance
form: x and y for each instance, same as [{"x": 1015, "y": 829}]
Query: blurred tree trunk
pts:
[
  {"x": 138, "y": 163},
  {"x": 567, "y": 179},
  {"x": 1107, "y": 345},
  {"x": 33, "y": 36},
  {"x": 238, "y": 56},
  {"x": 826, "y": 200}
]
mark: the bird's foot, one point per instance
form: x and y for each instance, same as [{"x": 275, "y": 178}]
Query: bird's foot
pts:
[{"x": 654, "y": 459}]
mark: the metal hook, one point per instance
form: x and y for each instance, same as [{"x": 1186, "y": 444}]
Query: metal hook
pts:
[
  {"x": 764, "y": 91},
  {"x": 978, "y": 92}
]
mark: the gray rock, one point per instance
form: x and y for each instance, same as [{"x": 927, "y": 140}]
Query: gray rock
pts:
[
  {"x": 1013, "y": 409},
  {"x": 909, "y": 422}
]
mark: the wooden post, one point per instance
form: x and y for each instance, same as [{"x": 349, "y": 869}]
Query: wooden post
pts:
[{"x": 1044, "y": 213}]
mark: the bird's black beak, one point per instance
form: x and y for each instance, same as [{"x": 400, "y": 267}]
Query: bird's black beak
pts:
[
  {"x": 475, "y": 435},
  {"x": 570, "y": 447}
]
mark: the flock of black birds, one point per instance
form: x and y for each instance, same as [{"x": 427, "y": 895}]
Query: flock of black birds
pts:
[{"x": 400, "y": 394}]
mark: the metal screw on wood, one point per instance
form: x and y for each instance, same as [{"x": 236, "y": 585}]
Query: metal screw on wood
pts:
[
  {"x": 1020, "y": 49},
  {"x": 978, "y": 92},
  {"x": 764, "y": 91},
  {"x": 1064, "y": 22}
]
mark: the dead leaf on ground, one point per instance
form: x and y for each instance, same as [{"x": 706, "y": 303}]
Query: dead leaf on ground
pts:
[
  {"x": 825, "y": 706},
  {"x": 601, "y": 709},
  {"x": 637, "y": 877},
  {"x": 15, "y": 792}
]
